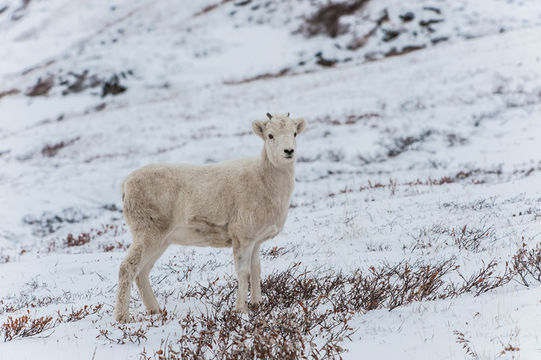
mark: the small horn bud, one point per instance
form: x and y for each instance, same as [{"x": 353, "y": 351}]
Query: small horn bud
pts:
[{"x": 269, "y": 116}]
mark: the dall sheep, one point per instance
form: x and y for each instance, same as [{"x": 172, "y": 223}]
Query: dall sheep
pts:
[{"x": 238, "y": 203}]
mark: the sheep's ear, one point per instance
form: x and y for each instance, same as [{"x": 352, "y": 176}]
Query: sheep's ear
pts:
[
  {"x": 259, "y": 128},
  {"x": 301, "y": 124}
]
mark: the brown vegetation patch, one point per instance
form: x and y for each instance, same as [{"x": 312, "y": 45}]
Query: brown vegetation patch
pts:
[
  {"x": 466, "y": 345},
  {"x": 348, "y": 120},
  {"x": 403, "y": 51},
  {"x": 25, "y": 300},
  {"x": 78, "y": 241},
  {"x": 463, "y": 237},
  {"x": 78, "y": 314},
  {"x": 26, "y": 325},
  {"x": 404, "y": 143},
  {"x": 52, "y": 150},
  {"x": 82, "y": 81},
  {"x": 526, "y": 264},
  {"x": 326, "y": 20},
  {"x": 304, "y": 314},
  {"x": 393, "y": 184},
  {"x": 9, "y": 92},
  {"x": 42, "y": 87},
  {"x": 112, "y": 86},
  {"x": 85, "y": 237},
  {"x": 209, "y": 8},
  {"x": 274, "y": 252},
  {"x": 107, "y": 156},
  {"x": 265, "y": 76}
]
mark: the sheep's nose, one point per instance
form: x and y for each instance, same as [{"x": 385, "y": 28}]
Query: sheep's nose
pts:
[{"x": 289, "y": 151}]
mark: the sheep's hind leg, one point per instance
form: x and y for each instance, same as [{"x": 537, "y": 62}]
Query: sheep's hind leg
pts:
[
  {"x": 138, "y": 255},
  {"x": 255, "y": 277},
  {"x": 143, "y": 283},
  {"x": 242, "y": 254}
]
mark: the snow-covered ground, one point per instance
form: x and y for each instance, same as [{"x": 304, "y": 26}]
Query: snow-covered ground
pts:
[{"x": 422, "y": 146}]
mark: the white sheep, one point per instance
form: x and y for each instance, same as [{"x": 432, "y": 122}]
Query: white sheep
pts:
[{"x": 238, "y": 203}]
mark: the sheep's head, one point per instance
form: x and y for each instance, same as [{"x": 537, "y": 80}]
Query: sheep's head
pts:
[{"x": 279, "y": 133}]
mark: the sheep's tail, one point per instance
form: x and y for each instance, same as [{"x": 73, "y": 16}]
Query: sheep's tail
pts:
[{"x": 123, "y": 191}]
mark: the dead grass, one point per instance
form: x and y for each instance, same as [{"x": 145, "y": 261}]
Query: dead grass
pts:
[
  {"x": 462, "y": 237},
  {"x": 393, "y": 185}
]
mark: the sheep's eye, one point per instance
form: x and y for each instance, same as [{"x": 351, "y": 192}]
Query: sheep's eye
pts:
[
  {"x": 295, "y": 135},
  {"x": 270, "y": 136}
]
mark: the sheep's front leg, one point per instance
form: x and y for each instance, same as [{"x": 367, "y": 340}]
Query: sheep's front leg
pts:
[
  {"x": 255, "y": 277},
  {"x": 242, "y": 254}
]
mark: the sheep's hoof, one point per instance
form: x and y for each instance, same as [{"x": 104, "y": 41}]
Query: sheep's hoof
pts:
[
  {"x": 122, "y": 318},
  {"x": 255, "y": 302},
  {"x": 154, "y": 311},
  {"x": 243, "y": 309}
]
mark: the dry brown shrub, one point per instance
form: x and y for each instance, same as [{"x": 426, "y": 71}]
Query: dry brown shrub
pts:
[
  {"x": 86, "y": 237},
  {"x": 274, "y": 252},
  {"x": 80, "y": 240},
  {"x": 526, "y": 264},
  {"x": 78, "y": 314},
  {"x": 466, "y": 345},
  {"x": 306, "y": 314},
  {"x": 25, "y": 326}
]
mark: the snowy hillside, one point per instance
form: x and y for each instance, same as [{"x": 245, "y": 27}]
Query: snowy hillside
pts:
[{"x": 414, "y": 230}]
